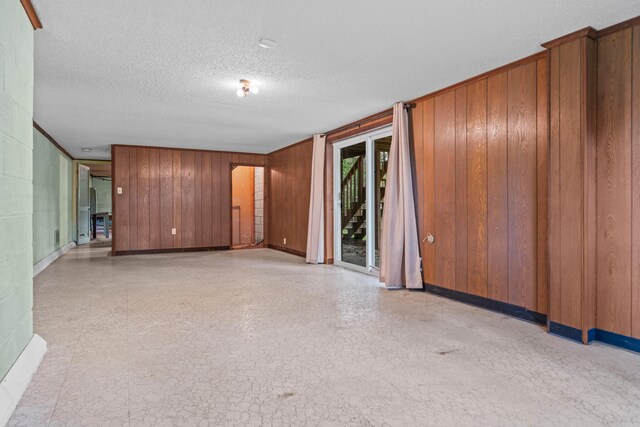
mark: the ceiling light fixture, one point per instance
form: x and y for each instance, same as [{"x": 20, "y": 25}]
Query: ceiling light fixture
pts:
[
  {"x": 87, "y": 150},
  {"x": 245, "y": 88},
  {"x": 267, "y": 44}
]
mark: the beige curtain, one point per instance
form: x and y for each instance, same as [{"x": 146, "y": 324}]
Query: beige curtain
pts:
[
  {"x": 315, "y": 230},
  {"x": 399, "y": 250}
]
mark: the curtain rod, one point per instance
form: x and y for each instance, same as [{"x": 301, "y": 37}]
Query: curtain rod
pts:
[{"x": 385, "y": 113}]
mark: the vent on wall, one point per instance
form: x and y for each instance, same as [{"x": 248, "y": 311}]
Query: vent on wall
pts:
[{"x": 56, "y": 238}]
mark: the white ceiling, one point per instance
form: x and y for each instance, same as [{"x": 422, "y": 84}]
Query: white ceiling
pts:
[{"x": 164, "y": 73}]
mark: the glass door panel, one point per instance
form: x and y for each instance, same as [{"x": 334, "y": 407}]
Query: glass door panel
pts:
[
  {"x": 381, "y": 148},
  {"x": 353, "y": 204}
]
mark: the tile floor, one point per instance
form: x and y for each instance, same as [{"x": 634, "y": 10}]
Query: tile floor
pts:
[{"x": 257, "y": 337}]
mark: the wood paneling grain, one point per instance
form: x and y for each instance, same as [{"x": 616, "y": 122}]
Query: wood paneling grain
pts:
[
  {"x": 197, "y": 178},
  {"x": 177, "y": 198},
  {"x": 216, "y": 200},
  {"x": 614, "y": 182},
  {"x": 522, "y": 180},
  {"x": 121, "y": 205},
  {"x": 144, "y": 198},
  {"x": 445, "y": 184},
  {"x": 497, "y": 186},
  {"x": 555, "y": 250},
  {"x": 477, "y": 187},
  {"x": 225, "y": 195},
  {"x": 461, "y": 190},
  {"x": 163, "y": 188},
  {"x": 635, "y": 185},
  {"x": 154, "y": 199},
  {"x": 542, "y": 154},
  {"x": 166, "y": 198},
  {"x": 206, "y": 230},
  {"x": 133, "y": 198},
  {"x": 288, "y": 202},
  {"x": 429, "y": 220},
  {"x": 188, "y": 199},
  {"x": 571, "y": 179}
]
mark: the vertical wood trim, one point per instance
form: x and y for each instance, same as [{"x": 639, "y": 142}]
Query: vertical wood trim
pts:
[
  {"x": 555, "y": 250},
  {"x": 635, "y": 197},
  {"x": 429, "y": 250},
  {"x": 461, "y": 189},
  {"x": 497, "y": 184},
  {"x": 542, "y": 134},
  {"x": 445, "y": 181},
  {"x": 477, "y": 187},
  {"x": 588, "y": 120}
]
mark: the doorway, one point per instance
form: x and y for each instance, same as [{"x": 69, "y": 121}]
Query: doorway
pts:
[
  {"x": 360, "y": 176},
  {"x": 93, "y": 203},
  {"x": 247, "y": 207}
]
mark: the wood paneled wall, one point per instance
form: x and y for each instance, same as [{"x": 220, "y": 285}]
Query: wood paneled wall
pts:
[
  {"x": 481, "y": 152},
  {"x": 572, "y": 183},
  {"x": 289, "y": 186},
  {"x": 163, "y": 188},
  {"x": 618, "y": 182}
]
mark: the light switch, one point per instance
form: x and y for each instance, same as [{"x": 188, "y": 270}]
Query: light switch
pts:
[
  {"x": 173, "y": 231},
  {"x": 119, "y": 190}
]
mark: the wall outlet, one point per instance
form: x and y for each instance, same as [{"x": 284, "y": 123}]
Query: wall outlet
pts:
[
  {"x": 173, "y": 231},
  {"x": 285, "y": 240},
  {"x": 119, "y": 190}
]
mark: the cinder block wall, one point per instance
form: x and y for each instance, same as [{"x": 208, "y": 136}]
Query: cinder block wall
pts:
[
  {"x": 51, "y": 197},
  {"x": 16, "y": 188}
]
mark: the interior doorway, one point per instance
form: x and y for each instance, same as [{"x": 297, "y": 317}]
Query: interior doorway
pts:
[
  {"x": 93, "y": 199},
  {"x": 360, "y": 177},
  {"x": 247, "y": 206}
]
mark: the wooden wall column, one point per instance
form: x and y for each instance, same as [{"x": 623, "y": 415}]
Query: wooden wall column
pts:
[{"x": 572, "y": 185}]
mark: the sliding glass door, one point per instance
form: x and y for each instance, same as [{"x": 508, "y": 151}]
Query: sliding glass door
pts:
[{"x": 360, "y": 173}]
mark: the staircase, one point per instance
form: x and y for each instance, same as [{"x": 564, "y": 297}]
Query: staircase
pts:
[{"x": 353, "y": 196}]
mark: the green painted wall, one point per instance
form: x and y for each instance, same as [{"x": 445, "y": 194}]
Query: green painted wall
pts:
[
  {"x": 103, "y": 194},
  {"x": 16, "y": 188},
  {"x": 51, "y": 197}
]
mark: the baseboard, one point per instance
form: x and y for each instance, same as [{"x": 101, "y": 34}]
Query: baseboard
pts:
[
  {"x": 19, "y": 376},
  {"x": 288, "y": 250},
  {"x": 170, "y": 250},
  {"x": 618, "y": 340},
  {"x": 611, "y": 338},
  {"x": 49, "y": 259},
  {"x": 489, "y": 304},
  {"x": 564, "y": 331}
]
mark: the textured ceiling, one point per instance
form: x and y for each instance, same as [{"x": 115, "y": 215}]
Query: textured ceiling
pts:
[{"x": 164, "y": 72}]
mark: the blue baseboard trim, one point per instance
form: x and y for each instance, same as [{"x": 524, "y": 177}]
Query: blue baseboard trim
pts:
[
  {"x": 617, "y": 340},
  {"x": 611, "y": 338},
  {"x": 569, "y": 332},
  {"x": 487, "y": 303}
]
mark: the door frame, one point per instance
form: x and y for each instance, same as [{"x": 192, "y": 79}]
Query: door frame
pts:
[
  {"x": 369, "y": 139},
  {"x": 264, "y": 202}
]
